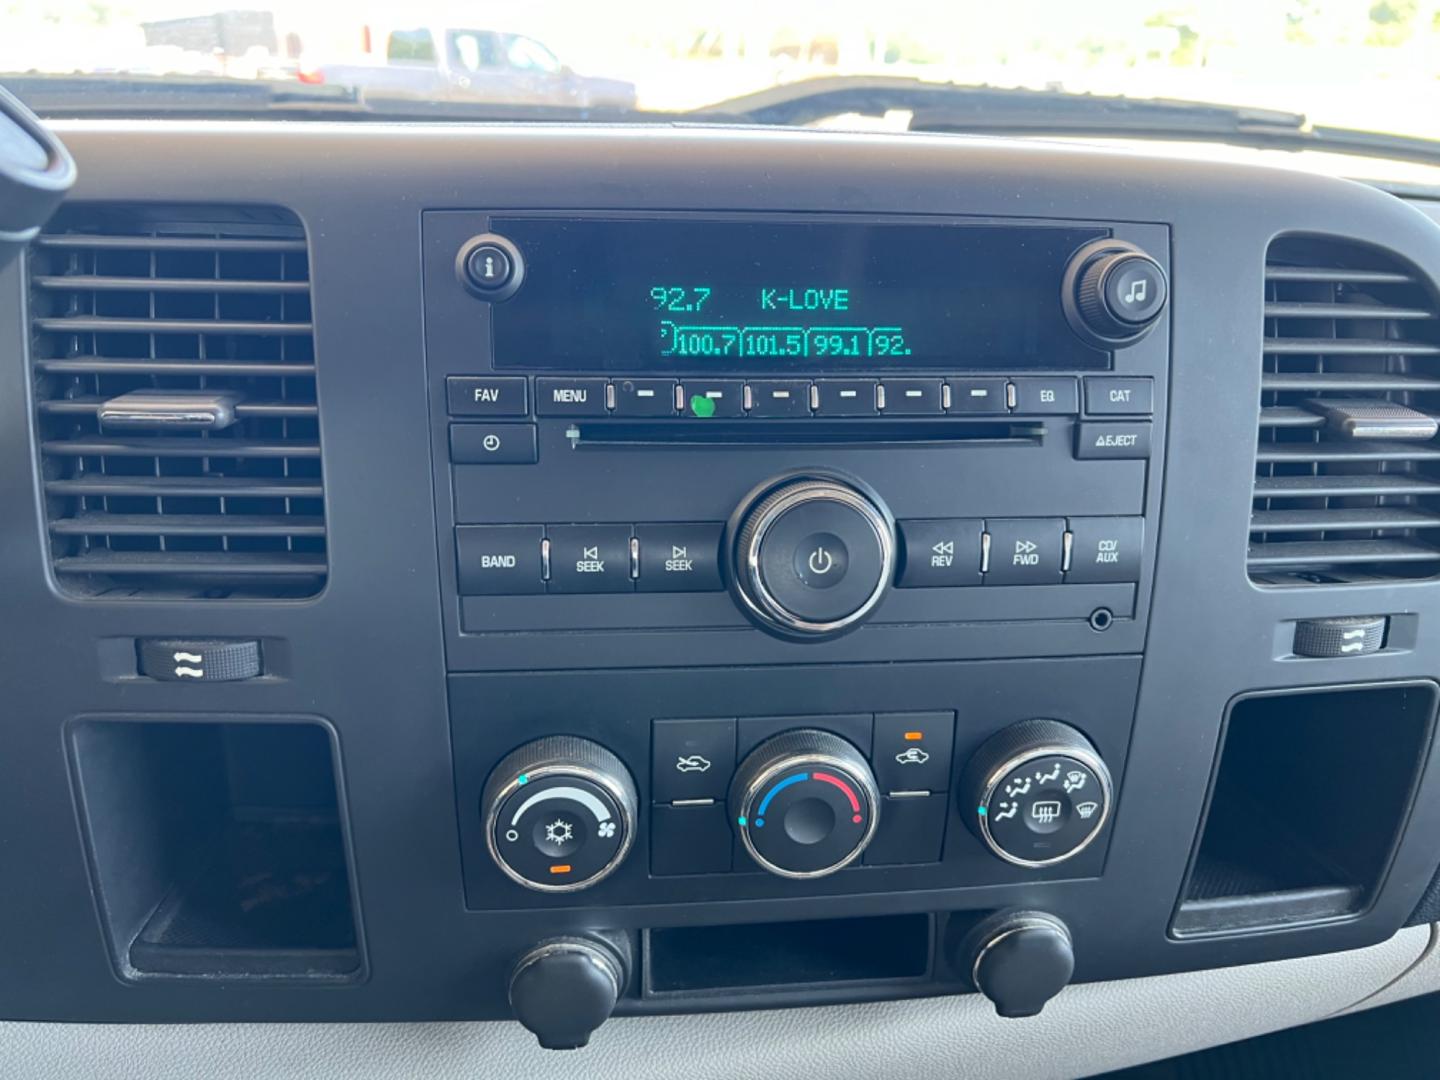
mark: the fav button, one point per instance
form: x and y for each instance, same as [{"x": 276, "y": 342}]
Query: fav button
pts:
[
  {"x": 691, "y": 759},
  {"x": 679, "y": 558},
  {"x": 1025, "y": 551},
  {"x": 473, "y": 395},
  {"x": 589, "y": 558}
]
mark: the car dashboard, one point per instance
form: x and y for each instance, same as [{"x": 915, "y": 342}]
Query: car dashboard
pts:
[{"x": 488, "y": 572}]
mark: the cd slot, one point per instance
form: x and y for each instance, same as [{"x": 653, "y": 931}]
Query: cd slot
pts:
[{"x": 676, "y": 434}]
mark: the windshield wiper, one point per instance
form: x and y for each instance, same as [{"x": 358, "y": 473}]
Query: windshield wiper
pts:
[
  {"x": 955, "y": 107},
  {"x": 209, "y": 97}
]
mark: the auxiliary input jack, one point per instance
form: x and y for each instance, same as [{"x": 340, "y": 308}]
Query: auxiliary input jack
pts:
[{"x": 1101, "y": 619}]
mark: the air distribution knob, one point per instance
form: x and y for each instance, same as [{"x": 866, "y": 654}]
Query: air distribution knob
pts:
[
  {"x": 805, "y": 804},
  {"x": 1115, "y": 293},
  {"x": 559, "y": 814},
  {"x": 813, "y": 556},
  {"x": 1036, "y": 793}
]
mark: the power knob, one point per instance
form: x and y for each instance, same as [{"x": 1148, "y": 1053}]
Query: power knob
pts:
[
  {"x": 559, "y": 814},
  {"x": 1114, "y": 293}
]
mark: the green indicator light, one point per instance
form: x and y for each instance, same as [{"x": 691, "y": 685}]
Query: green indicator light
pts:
[
  {"x": 742, "y": 819},
  {"x": 702, "y": 406},
  {"x": 981, "y": 811},
  {"x": 524, "y": 778}
]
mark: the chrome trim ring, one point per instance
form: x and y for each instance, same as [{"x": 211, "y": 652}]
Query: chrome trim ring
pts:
[
  {"x": 625, "y": 811},
  {"x": 790, "y": 761},
  {"x": 1085, "y": 757},
  {"x": 1020, "y": 924},
  {"x": 758, "y": 597}
]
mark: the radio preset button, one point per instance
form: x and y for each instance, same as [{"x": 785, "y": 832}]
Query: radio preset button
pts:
[
  {"x": 679, "y": 558},
  {"x": 499, "y": 560},
  {"x": 570, "y": 397},
  {"x": 978, "y": 396},
  {"x": 940, "y": 553},
  {"x": 1112, "y": 440},
  {"x": 493, "y": 444},
  {"x": 718, "y": 398},
  {"x": 845, "y": 397},
  {"x": 780, "y": 398},
  {"x": 1025, "y": 551},
  {"x": 1104, "y": 550},
  {"x": 1042, "y": 397},
  {"x": 912, "y": 397},
  {"x": 474, "y": 395},
  {"x": 589, "y": 558},
  {"x": 644, "y": 397},
  {"x": 1120, "y": 397}
]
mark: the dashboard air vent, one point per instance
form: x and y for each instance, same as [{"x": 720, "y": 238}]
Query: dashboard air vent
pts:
[
  {"x": 1347, "y": 473},
  {"x": 174, "y": 375}
]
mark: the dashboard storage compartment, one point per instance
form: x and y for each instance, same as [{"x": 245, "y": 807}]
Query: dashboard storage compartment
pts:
[
  {"x": 1308, "y": 802},
  {"x": 701, "y": 959},
  {"x": 217, "y": 847}
]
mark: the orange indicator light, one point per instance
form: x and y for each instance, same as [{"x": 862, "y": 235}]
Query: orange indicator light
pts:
[
  {"x": 560, "y": 868},
  {"x": 914, "y": 736}
]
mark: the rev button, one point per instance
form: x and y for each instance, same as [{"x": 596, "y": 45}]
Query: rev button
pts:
[{"x": 589, "y": 558}]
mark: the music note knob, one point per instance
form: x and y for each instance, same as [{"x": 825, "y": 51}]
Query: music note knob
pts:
[{"x": 1114, "y": 293}]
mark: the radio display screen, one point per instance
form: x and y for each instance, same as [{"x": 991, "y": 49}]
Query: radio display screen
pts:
[{"x": 709, "y": 295}]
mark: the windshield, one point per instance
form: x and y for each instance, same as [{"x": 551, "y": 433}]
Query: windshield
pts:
[{"x": 1371, "y": 65}]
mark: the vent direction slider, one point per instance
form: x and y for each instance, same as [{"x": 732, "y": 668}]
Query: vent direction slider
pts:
[
  {"x": 1374, "y": 418},
  {"x": 171, "y": 410}
]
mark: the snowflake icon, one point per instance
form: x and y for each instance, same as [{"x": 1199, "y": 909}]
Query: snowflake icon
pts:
[
  {"x": 606, "y": 829},
  {"x": 559, "y": 832}
]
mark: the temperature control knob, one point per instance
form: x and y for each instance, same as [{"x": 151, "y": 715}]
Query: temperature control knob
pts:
[
  {"x": 813, "y": 556},
  {"x": 805, "y": 803},
  {"x": 1114, "y": 293},
  {"x": 1037, "y": 793},
  {"x": 559, "y": 814}
]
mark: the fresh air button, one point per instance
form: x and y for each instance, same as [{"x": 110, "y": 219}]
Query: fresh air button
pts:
[
  {"x": 472, "y": 395},
  {"x": 912, "y": 751},
  {"x": 912, "y": 397},
  {"x": 1120, "y": 397},
  {"x": 1039, "y": 397},
  {"x": 1112, "y": 440},
  {"x": 1025, "y": 551},
  {"x": 589, "y": 558},
  {"x": 679, "y": 558},
  {"x": 570, "y": 397},
  {"x": 940, "y": 553},
  {"x": 493, "y": 444},
  {"x": 1105, "y": 549},
  {"x": 499, "y": 560},
  {"x": 644, "y": 397},
  {"x": 845, "y": 397},
  {"x": 977, "y": 396},
  {"x": 198, "y": 659},
  {"x": 691, "y": 759},
  {"x": 718, "y": 399},
  {"x": 776, "y": 398}
]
